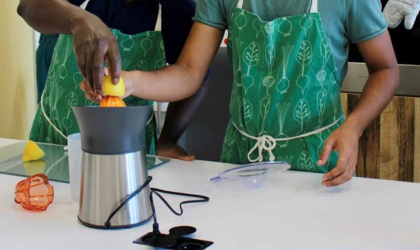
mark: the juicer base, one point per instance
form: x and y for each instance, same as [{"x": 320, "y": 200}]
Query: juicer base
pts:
[{"x": 114, "y": 227}]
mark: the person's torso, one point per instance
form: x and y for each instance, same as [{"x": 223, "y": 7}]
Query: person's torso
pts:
[
  {"x": 333, "y": 14},
  {"x": 285, "y": 96}
]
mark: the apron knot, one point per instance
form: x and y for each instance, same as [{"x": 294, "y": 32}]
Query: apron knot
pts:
[
  {"x": 269, "y": 143},
  {"x": 264, "y": 143}
]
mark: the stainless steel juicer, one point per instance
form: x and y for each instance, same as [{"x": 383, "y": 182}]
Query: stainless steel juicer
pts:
[{"x": 114, "y": 166}]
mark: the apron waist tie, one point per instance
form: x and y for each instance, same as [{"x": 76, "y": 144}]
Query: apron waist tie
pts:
[{"x": 269, "y": 143}]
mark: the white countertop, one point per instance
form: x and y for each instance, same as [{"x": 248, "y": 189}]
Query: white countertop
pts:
[{"x": 291, "y": 211}]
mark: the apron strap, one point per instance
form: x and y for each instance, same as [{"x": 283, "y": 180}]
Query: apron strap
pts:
[
  {"x": 83, "y": 6},
  {"x": 268, "y": 143},
  {"x": 48, "y": 119},
  {"x": 240, "y": 4},
  {"x": 159, "y": 20},
  {"x": 314, "y": 7}
]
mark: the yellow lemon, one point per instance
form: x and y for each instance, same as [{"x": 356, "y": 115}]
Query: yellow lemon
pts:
[
  {"x": 32, "y": 152},
  {"x": 108, "y": 88}
]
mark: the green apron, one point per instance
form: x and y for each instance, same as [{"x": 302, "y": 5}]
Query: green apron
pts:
[
  {"x": 286, "y": 97},
  {"x": 55, "y": 120},
  {"x": 44, "y": 55}
]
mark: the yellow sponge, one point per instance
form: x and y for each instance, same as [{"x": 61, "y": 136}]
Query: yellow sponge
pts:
[{"x": 32, "y": 152}]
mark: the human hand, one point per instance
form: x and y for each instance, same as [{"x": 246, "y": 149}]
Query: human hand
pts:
[
  {"x": 345, "y": 140},
  {"x": 93, "y": 44},
  {"x": 91, "y": 95},
  {"x": 172, "y": 150},
  {"x": 396, "y": 10}
]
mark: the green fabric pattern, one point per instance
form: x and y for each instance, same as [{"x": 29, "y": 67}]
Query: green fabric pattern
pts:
[
  {"x": 44, "y": 55},
  {"x": 285, "y": 85},
  {"x": 143, "y": 51},
  {"x": 344, "y": 21}
]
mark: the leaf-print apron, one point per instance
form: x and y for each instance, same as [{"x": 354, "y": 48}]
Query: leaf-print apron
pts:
[
  {"x": 55, "y": 120},
  {"x": 286, "y": 92}
]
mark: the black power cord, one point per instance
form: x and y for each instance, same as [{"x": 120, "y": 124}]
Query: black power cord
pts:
[
  {"x": 145, "y": 184},
  {"x": 156, "y": 192}
]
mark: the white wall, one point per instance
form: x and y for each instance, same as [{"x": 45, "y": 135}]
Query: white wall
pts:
[{"x": 17, "y": 69}]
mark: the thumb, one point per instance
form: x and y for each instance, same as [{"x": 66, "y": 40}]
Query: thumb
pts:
[{"x": 410, "y": 20}]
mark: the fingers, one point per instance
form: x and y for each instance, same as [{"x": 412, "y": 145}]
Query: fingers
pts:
[
  {"x": 184, "y": 157},
  {"x": 114, "y": 63},
  {"x": 174, "y": 151},
  {"x": 89, "y": 65},
  {"x": 410, "y": 20},
  {"x": 98, "y": 69},
  {"x": 95, "y": 98},
  {"x": 339, "y": 169},
  {"x": 88, "y": 92},
  {"x": 340, "y": 174},
  {"x": 81, "y": 59},
  {"x": 342, "y": 178},
  {"x": 177, "y": 153},
  {"x": 84, "y": 85},
  {"x": 326, "y": 151}
]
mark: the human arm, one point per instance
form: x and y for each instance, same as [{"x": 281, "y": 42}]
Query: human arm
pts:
[
  {"x": 178, "y": 117},
  {"x": 92, "y": 39},
  {"x": 378, "y": 92},
  {"x": 182, "y": 79}
]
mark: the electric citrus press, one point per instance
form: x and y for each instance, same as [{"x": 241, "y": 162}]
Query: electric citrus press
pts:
[{"x": 114, "y": 166}]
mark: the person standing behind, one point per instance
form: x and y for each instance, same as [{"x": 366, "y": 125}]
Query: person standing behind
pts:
[{"x": 134, "y": 42}]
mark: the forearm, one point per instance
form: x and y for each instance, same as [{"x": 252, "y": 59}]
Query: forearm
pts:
[
  {"x": 183, "y": 79},
  {"x": 172, "y": 83},
  {"x": 377, "y": 94},
  {"x": 50, "y": 16},
  {"x": 180, "y": 115}
]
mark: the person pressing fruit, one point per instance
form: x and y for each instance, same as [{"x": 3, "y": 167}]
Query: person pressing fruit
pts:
[
  {"x": 114, "y": 34},
  {"x": 289, "y": 59}
]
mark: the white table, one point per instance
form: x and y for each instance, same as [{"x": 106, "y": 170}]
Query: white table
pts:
[{"x": 291, "y": 211}]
